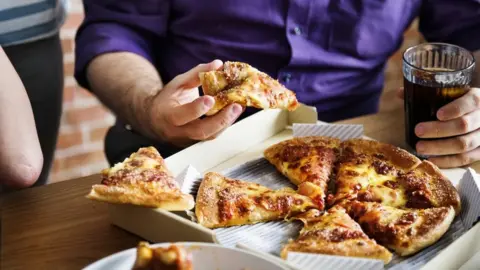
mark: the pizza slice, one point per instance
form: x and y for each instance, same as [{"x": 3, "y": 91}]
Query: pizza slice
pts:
[
  {"x": 243, "y": 84},
  {"x": 406, "y": 231},
  {"x": 142, "y": 179},
  {"x": 224, "y": 202},
  {"x": 334, "y": 233},
  {"x": 368, "y": 171},
  {"x": 306, "y": 162},
  {"x": 173, "y": 257},
  {"x": 426, "y": 186}
]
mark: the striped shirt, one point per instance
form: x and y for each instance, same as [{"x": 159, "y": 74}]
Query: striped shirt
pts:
[{"x": 23, "y": 21}]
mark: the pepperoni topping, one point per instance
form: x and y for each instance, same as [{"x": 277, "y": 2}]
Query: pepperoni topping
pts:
[
  {"x": 335, "y": 235},
  {"x": 381, "y": 167},
  {"x": 407, "y": 218},
  {"x": 391, "y": 184}
]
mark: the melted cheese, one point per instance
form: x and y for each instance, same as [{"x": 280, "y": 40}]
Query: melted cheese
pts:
[
  {"x": 143, "y": 161},
  {"x": 370, "y": 180},
  {"x": 117, "y": 167},
  {"x": 295, "y": 175},
  {"x": 391, "y": 197}
]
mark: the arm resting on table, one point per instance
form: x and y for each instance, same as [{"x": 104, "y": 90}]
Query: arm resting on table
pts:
[{"x": 21, "y": 157}]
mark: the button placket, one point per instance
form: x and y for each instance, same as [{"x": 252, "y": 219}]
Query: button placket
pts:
[
  {"x": 287, "y": 77},
  {"x": 297, "y": 30}
]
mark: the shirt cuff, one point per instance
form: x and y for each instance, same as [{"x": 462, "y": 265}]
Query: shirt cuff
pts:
[{"x": 95, "y": 39}]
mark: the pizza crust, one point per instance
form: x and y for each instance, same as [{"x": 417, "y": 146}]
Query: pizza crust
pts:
[
  {"x": 135, "y": 196},
  {"x": 398, "y": 157},
  {"x": 206, "y": 208}
]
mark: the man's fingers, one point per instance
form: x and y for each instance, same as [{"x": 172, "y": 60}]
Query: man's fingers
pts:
[
  {"x": 214, "y": 136},
  {"x": 458, "y": 160},
  {"x": 190, "y": 78},
  {"x": 203, "y": 129},
  {"x": 461, "y": 106},
  {"x": 458, "y": 126},
  {"x": 186, "y": 113},
  {"x": 456, "y": 145}
]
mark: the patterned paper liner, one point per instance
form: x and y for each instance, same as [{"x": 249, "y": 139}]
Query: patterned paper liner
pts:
[{"x": 270, "y": 237}]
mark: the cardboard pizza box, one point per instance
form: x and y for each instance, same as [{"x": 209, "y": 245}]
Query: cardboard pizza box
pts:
[{"x": 242, "y": 143}]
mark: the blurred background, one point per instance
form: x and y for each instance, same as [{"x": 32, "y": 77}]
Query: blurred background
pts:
[{"x": 85, "y": 121}]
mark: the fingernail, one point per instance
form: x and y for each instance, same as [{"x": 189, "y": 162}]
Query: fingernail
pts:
[
  {"x": 217, "y": 63},
  {"x": 236, "y": 109},
  {"x": 440, "y": 114},
  {"x": 420, "y": 147},
  {"x": 208, "y": 101},
  {"x": 420, "y": 130}
]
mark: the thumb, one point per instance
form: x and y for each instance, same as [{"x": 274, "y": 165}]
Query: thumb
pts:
[
  {"x": 400, "y": 93},
  {"x": 190, "y": 79}
]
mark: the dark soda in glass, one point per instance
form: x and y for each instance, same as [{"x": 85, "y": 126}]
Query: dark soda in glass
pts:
[{"x": 435, "y": 74}]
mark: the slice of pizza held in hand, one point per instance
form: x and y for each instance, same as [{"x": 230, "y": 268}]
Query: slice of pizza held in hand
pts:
[
  {"x": 144, "y": 180},
  {"x": 243, "y": 84}
]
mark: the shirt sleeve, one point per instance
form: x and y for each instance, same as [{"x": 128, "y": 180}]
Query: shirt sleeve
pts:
[
  {"x": 118, "y": 26},
  {"x": 451, "y": 21}
]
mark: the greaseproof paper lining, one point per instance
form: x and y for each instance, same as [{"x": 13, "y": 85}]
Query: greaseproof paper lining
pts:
[
  {"x": 306, "y": 261},
  {"x": 343, "y": 132},
  {"x": 271, "y": 236}
]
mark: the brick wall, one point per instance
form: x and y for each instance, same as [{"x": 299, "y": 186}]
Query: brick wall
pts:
[{"x": 85, "y": 121}]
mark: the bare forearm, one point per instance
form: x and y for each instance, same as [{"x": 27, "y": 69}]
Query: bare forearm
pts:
[
  {"x": 124, "y": 82},
  {"x": 21, "y": 157}
]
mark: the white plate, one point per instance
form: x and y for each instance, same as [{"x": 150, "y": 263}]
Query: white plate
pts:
[{"x": 205, "y": 256}]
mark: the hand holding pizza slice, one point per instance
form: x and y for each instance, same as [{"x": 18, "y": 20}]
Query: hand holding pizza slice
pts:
[{"x": 243, "y": 84}]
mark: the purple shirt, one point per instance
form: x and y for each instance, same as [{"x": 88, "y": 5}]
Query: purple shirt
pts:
[{"x": 331, "y": 53}]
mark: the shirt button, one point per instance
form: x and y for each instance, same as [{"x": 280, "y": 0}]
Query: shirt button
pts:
[{"x": 297, "y": 31}]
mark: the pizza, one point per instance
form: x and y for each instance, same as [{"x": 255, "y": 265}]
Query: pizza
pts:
[
  {"x": 334, "y": 233},
  {"x": 368, "y": 171},
  {"x": 243, "y": 84},
  {"x": 173, "y": 257},
  {"x": 224, "y": 202},
  {"x": 426, "y": 187},
  {"x": 384, "y": 199},
  {"x": 306, "y": 161},
  {"x": 378, "y": 172},
  {"x": 144, "y": 180},
  {"x": 406, "y": 231}
]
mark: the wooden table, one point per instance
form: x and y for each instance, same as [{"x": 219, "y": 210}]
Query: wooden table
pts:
[{"x": 54, "y": 226}]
